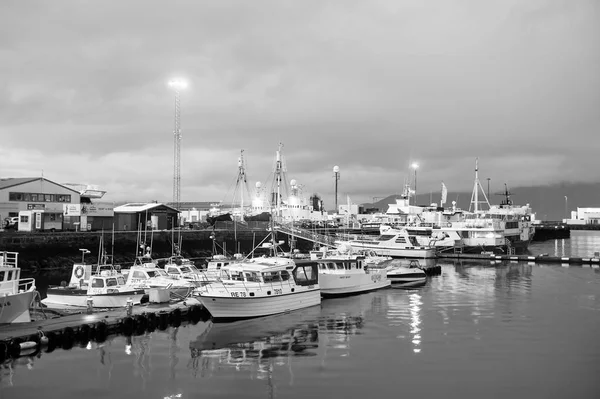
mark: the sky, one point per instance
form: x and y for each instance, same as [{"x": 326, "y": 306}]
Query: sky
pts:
[{"x": 370, "y": 86}]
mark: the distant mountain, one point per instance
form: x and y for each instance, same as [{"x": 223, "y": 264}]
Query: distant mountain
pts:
[{"x": 548, "y": 202}]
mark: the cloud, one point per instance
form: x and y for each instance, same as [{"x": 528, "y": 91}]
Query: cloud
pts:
[{"x": 366, "y": 86}]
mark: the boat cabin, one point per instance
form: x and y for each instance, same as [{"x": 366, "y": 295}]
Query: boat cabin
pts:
[
  {"x": 10, "y": 275},
  {"x": 303, "y": 274}
]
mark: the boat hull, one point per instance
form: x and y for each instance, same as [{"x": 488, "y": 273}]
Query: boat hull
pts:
[
  {"x": 222, "y": 307},
  {"x": 350, "y": 284},
  {"x": 62, "y": 298},
  {"x": 15, "y": 308}
]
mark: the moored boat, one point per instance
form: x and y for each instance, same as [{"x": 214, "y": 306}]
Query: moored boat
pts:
[
  {"x": 16, "y": 294},
  {"x": 397, "y": 243},
  {"x": 261, "y": 287},
  {"x": 106, "y": 288},
  {"x": 345, "y": 273},
  {"x": 406, "y": 275}
]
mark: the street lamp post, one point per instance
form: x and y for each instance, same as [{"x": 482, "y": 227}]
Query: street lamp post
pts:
[
  {"x": 415, "y": 166},
  {"x": 566, "y": 208},
  {"x": 336, "y": 175}
]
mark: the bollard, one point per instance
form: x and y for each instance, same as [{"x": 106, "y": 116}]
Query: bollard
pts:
[
  {"x": 90, "y": 305},
  {"x": 129, "y": 306}
]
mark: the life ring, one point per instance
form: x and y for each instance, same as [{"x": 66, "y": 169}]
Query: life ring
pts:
[{"x": 79, "y": 271}]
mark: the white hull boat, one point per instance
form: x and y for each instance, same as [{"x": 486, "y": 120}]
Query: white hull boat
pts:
[
  {"x": 346, "y": 273},
  {"x": 406, "y": 276},
  {"x": 106, "y": 288},
  {"x": 261, "y": 287},
  {"x": 16, "y": 294}
]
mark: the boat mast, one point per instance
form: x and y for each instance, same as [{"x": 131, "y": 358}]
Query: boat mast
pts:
[{"x": 475, "y": 196}]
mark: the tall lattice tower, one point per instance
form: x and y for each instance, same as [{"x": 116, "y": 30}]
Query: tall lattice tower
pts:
[{"x": 177, "y": 86}]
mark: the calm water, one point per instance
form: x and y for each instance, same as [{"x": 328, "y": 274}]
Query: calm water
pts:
[{"x": 479, "y": 330}]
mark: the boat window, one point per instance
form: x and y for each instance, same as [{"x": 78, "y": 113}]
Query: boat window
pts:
[
  {"x": 413, "y": 241},
  {"x": 111, "y": 282},
  {"x": 139, "y": 274},
  {"x": 219, "y": 264},
  {"x": 9, "y": 275},
  {"x": 285, "y": 275},
  {"x": 186, "y": 269},
  {"x": 385, "y": 237},
  {"x": 121, "y": 280},
  {"x": 172, "y": 270},
  {"x": 342, "y": 266},
  {"x": 270, "y": 277},
  {"x": 322, "y": 266},
  {"x": 97, "y": 283},
  {"x": 353, "y": 265},
  {"x": 253, "y": 277},
  {"x": 331, "y": 266},
  {"x": 2, "y": 275},
  {"x": 237, "y": 276},
  {"x": 306, "y": 274},
  {"x": 401, "y": 240}
]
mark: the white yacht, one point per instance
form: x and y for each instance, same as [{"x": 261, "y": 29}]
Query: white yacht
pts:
[
  {"x": 396, "y": 243},
  {"x": 261, "y": 287},
  {"x": 406, "y": 275},
  {"x": 16, "y": 294}
]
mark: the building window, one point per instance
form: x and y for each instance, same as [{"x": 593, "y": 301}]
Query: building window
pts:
[{"x": 39, "y": 197}]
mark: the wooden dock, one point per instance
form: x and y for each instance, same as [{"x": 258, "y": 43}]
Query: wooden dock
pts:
[
  {"x": 65, "y": 331},
  {"x": 523, "y": 258}
]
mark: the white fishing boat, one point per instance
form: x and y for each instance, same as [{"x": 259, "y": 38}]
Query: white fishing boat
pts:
[
  {"x": 406, "y": 275},
  {"x": 105, "y": 287},
  {"x": 396, "y": 243},
  {"x": 146, "y": 275},
  {"x": 261, "y": 287},
  {"x": 343, "y": 273},
  {"x": 182, "y": 268},
  {"x": 16, "y": 294}
]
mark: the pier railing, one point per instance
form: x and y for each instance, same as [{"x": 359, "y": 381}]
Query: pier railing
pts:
[{"x": 298, "y": 232}]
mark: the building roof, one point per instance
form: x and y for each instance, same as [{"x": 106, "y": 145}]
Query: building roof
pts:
[
  {"x": 136, "y": 207},
  {"x": 7, "y": 182}
]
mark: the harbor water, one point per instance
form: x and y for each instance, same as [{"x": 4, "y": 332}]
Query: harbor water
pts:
[{"x": 481, "y": 329}]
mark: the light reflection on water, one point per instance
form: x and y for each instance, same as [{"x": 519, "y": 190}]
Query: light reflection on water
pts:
[{"x": 521, "y": 320}]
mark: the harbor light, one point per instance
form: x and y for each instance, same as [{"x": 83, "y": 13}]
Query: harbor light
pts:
[
  {"x": 336, "y": 175},
  {"x": 415, "y": 166},
  {"x": 178, "y": 84}
]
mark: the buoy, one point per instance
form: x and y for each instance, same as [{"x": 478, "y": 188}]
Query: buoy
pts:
[
  {"x": 28, "y": 348},
  {"x": 127, "y": 325},
  {"x": 3, "y": 351},
  {"x": 52, "y": 338},
  {"x": 140, "y": 324},
  {"x": 84, "y": 333},
  {"x": 163, "y": 321},
  {"x": 152, "y": 321},
  {"x": 101, "y": 331},
  {"x": 68, "y": 338},
  {"x": 175, "y": 318}
]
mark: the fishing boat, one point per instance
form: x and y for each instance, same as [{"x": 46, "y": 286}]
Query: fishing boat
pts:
[
  {"x": 16, "y": 293},
  {"x": 105, "y": 287},
  {"x": 397, "y": 243},
  {"x": 343, "y": 273},
  {"x": 145, "y": 274},
  {"x": 260, "y": 287}
]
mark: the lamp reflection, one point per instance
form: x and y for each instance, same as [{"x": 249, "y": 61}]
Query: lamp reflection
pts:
[{"x": 415, "y": 320}]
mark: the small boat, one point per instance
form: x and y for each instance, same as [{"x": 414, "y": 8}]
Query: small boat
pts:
[
  {"x": 343, "y": 273},
  {"x": 181, "y": 268},
  {"x": 406, "y": 276},
  {"x": 261, "y": 287},
  {"x": 16, "y": 294},
  {"x": 397, "y": 243},
  {"x": 145, "y": 274},
  {"x": 106, "y": 287}
]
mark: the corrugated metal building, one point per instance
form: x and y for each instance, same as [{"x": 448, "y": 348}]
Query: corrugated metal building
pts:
[{"x": 136, "y": 216}]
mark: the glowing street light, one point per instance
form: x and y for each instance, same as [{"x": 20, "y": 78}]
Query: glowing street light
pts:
[
  {"x": 415, "y": 166},
  {"x": 336, "y": 175}
]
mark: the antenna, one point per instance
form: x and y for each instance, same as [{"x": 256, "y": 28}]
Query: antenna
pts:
[{"x": 476, "y": 187}]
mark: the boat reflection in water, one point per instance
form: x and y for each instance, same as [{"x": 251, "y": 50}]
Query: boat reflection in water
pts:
[{"x": 260, "y": 344}]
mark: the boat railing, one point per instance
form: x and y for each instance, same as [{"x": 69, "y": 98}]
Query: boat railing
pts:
[{"x": 16, "y": 286}]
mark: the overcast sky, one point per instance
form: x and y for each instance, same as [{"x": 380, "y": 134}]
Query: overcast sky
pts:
[{"x": 370, "y": 86}]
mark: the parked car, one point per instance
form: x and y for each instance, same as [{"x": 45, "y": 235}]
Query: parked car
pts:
[{"x": 11, "y": 222}]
